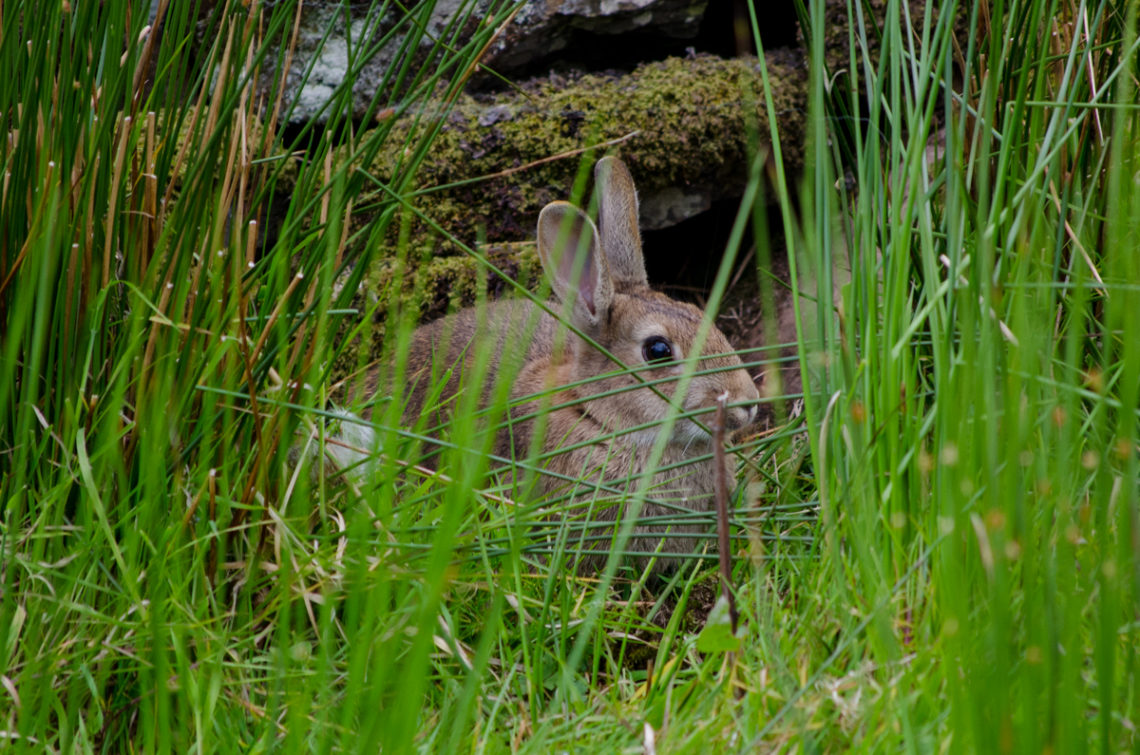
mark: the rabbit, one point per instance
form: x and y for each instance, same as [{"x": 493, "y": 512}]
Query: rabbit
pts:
[{"x": 598, "y": 275}]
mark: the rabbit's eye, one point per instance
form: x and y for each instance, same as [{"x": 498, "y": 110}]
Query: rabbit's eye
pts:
[{"x": 656, "y": 349}]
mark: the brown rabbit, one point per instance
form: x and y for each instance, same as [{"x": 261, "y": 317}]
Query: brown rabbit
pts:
[{"x": 599, "y": 434}]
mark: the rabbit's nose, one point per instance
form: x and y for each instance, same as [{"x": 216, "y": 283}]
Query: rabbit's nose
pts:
[{"x": 740, "y": 416}]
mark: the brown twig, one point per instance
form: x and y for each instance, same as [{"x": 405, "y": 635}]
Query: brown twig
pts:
[
  {"x": 143, "y": 64},
  {"x": 528, "y": 166},
  {"x": 721, "y": 491}
]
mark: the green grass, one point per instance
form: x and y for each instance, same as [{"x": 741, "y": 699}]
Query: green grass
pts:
[{"x": 943, "y": 551}]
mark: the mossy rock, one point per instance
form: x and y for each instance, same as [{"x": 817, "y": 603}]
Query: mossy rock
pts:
[{"x": 689, "y": 119}]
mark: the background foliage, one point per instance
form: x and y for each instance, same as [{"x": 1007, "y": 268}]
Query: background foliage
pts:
[{"x": 950, "y": 563}]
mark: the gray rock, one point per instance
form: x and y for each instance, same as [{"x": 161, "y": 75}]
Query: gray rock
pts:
[
  {"x": 539, "y": 29},
  {"x": 671, "y": 205},
  {"x": 494, "y": 114}
]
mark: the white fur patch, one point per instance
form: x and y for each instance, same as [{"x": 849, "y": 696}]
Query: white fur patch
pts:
[
  {"x": 352, "y": 445},
  {"x": 687, "y": 432},
  {"x": 684, "y": 433}
]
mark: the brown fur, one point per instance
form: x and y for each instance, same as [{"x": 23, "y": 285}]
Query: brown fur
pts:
[{"x": 612, "y": 304}]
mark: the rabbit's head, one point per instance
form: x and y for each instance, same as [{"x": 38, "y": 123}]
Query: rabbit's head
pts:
[{"x": 600, "y": 278}]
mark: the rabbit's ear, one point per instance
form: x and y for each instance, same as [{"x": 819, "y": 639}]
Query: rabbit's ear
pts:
[
  {"x": 570, "y": 252},
  {"x": 617, "y": 218}
]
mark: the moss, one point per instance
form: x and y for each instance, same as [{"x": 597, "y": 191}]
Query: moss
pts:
[{"x": 688, "y": 115}]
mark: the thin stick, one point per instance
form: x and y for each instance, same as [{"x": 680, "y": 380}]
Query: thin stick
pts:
[
  {"x": 528, "y": 166},
  {"x": 721, "y": 490}
]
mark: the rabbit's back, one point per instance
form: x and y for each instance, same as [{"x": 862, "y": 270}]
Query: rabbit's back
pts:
[{"x": 448, "y": 355}]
